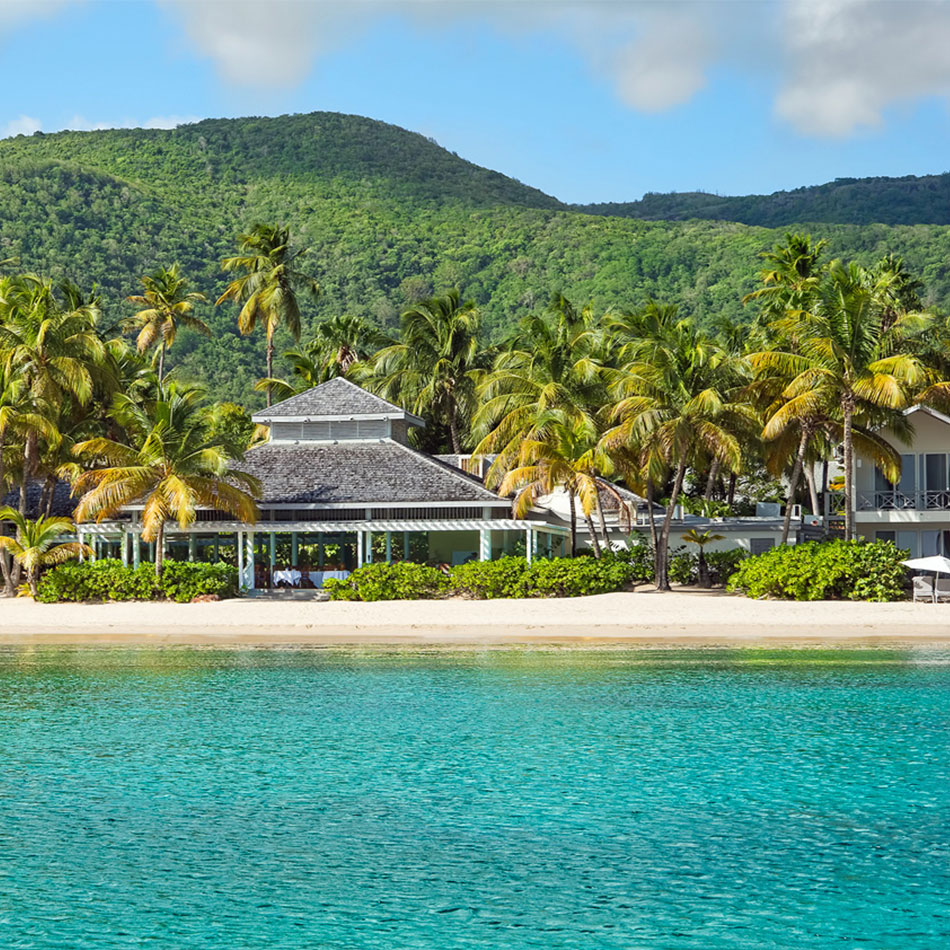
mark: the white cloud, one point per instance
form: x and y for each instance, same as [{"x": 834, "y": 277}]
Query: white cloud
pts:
[
  {"x": 25, "y": 125},
  {"x": 169, "y": 121}
]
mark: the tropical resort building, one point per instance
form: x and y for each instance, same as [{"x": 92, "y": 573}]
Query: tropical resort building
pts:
[
  {"x": 342, "y": 487},
  {"x": 914, "y": 512}
]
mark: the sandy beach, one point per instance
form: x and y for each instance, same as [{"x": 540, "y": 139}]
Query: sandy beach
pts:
[{"x": 641, "y": 617}]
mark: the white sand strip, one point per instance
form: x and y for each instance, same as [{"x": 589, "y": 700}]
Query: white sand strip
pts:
[{"x": 680, "y": 617}]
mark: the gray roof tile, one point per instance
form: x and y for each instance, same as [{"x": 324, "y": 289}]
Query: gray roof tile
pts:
[
  {"x": 358, "y": 473},
  {"x": 335, "y": 397}
]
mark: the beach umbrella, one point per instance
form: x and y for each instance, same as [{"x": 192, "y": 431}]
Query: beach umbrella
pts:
[{"x": 937, "y": 563}]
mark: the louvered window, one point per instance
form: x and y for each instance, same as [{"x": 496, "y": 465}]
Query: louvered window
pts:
[{"x": 343, "y": 430}]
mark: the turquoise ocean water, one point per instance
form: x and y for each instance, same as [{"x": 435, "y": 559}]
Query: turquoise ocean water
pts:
[{"x": 749, "y": 799}]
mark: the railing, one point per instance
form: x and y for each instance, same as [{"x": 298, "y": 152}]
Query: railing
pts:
[{"x": 892, "y": 500}]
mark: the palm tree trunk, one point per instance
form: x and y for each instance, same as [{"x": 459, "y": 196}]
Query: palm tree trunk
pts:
[
  {"x": 32, "y": 579},
  {"x": 603, "y": 524},
  {"x": 29, "y": 466},
  {"x": 161, "y": 363},
  {"x": 651, "y": 518},
  {"x": 731, "y": 497},
  {"x": 702, "y": 569},
  {"x": 793, "y": 485},
  {"x": 454, "y": 434},
  {"x": 5, "y": 569},
  {"x": 812, "y": 489},
  {"x": 270, "y": 366},
  {"x": 592, "y": 531},
  {"x": 159, "y": 551},
  {"x": 50, "y": 496},
  {"x": 711, "y": 480},
  {"x": 662, "y": 566},
  {"x": 570, "y": 501},
  {"x": 847, "y": 411}
]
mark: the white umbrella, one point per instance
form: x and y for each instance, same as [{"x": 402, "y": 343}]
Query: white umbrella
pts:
[{"x": 937, "y": 563}]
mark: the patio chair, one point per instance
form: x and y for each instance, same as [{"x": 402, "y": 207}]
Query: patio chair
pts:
[
  {"x": 942, "y": 589},
  {"x": 923, "y": 588}
]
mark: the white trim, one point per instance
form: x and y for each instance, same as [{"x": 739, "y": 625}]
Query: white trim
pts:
[{"x": 930, "y": 412}]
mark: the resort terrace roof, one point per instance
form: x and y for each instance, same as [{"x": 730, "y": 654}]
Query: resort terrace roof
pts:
[
  {"x": 336, "y": 398},
  {"x": 382, "y": 472}
]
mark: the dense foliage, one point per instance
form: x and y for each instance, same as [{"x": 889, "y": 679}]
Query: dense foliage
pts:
[
  {"x": 109, "y": 579},
  {"x": 510, "y": 577},
  {"x": 390, "y": 218},
  {"x": 832, "y": 570}
]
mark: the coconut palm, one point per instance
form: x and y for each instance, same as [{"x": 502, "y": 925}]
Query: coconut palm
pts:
[
  {"x": 169, "y": 463},
  {"x": 701, "y": 539},
  {"x": 341, "y": 342},
  {"x": 849, "y": 358},
  {"x": 677, "y": 406},
  {"x": 167, "y": 304},
  {"x": 432, "y": 370},
  {"x": 36, "y": 544},
  {"x": 270, "y": 279}
]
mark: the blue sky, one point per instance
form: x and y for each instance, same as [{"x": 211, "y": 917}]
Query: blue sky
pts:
[{"x": 589, "y": 100}]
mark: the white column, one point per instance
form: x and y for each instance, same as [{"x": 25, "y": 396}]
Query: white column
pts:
[
  {"x": 484, "y": 544},
  {"x": 359, "y": 548},
  {"x": 82, "y": 556},
  {"x": 389, "y": 547},
  {"x": 125, "y": 548},
  {"x": 272, "y": 554},
  {"x": 250, "y": 560},
  {"x": 528, "y": 544},
  {"x": 136, "y": 549},
  {"x": 369, "y": 547},
  {"x": 240, "y": 557}
]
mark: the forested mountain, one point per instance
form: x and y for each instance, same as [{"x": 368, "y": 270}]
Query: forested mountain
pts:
[
  {"x": 390, "y": 216},
  {"x": 908, "y": 200}
]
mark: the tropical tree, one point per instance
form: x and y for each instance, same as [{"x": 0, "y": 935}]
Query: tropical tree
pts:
[
  {"x": 677, "y": 405},
  {"x": 848, "y": 356},
  {"x": 341, "y": 342},
  {"x": 433, "y": 368},
  {"x": 36, "y": 544},
  {"x": 270, "y": 278},
  {"x": 167, "y": 304},
  {"x": 169, "y": 462},
  {"x": 701, "y": 539}
]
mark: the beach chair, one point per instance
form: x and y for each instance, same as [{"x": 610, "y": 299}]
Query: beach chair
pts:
[
  {"x": 942, "y": 589},
  {"x": 923, "y": 588}
]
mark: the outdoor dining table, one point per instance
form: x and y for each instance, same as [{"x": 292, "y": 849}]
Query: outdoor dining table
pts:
[
  {"x": 318, "y": 577},
  {"x": 291, "y": 577}
]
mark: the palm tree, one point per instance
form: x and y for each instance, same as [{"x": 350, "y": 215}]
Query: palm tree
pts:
[
  {"x": 432, "y": 370},
  {"x": 49, "y": 342},
  {"x": 170, "y": 463},
  {"x": 677, "y": 406},
  {"x": 167, "y": 304},
  {"x": 848, "y": 358},
  {"x": 270, "y": 278},
  {"x": 341, "y": 342},
  {"x": 791, "y": 278},
  {"x": 701, "y": 539},
  {"x": 35, "y": 545}
]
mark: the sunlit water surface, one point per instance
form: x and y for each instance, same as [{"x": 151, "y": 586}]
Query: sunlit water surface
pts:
[{"x": 718, "y": 799}]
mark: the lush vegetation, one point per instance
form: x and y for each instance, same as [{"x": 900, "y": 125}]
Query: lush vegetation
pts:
[
  {"x": 907, "y": 201},
  {"x": 487, "y": 580},
  {"x": 390, "y": 219},
  {"x": 831, "y": 570},
  {"x": 108, "y": 579}
]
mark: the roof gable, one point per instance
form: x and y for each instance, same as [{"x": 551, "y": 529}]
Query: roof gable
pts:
[{"x": 335, "y": 398}]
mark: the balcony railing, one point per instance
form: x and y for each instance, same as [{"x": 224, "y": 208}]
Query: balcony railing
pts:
[{"x": 893, "y": 500}]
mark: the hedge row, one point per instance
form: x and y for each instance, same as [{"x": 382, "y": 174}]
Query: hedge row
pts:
[
  {"x": 108, "y": 579},
  {"x": 851, "y": 570},
  {"x": 486, "y": 580}
]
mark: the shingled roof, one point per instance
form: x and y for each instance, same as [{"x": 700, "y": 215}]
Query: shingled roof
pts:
[
  {"x": 336, "y": 397},
  {"x": 358, "y": 473}
]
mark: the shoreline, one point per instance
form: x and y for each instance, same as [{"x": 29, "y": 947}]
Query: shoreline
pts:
[{"x": 682, "y": 618}]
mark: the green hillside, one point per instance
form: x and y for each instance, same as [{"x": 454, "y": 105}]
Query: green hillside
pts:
[
  {"x": 390, "y": 216},
  {"x": 908, "y": 200}
]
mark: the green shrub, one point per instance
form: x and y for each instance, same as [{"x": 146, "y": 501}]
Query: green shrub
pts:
[
  {"x": 403, "y": 580},
  {"x": 109, "y": 579},
  {"x": 823, "y": 571},
  {"x": 487, "y": 580},
  {"x": 639, "y": 555},
  {"x": 723, "y": 564},
  {"x": 577, "y": 577}
]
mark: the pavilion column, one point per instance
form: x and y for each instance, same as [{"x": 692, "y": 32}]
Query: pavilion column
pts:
[
  {"x": 293, "y": 548},
  {"x": 250, "y": 560},
  {"x": 405, "y": 545},
  {"x": 528, "y": 544},
  {"x": 240, "y": 557},
  {"x": 369, "y": 547},
  {"x": 136, "y": 549},
  {"x": 389, "y": 547},
  {"x": 321, "y": 553},
  {"x": 192, "y": 547},
  {"x": 272, "y": 560},
  {"x": 484, "y": 544},
  {"x": 125, "y": 548},
  {"x": 82, "y": 556},
  {"x": 359, "y": 548}
]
